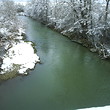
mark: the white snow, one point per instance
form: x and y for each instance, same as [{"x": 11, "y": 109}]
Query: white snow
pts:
[
  {"x": 97, "y": 108},
  {"x": 3, "y": 31},
  {"x": 21, "y": 54},
  {"x": 21, "y": 31},
  {"x": 108, "y": 50},
  {"x": 22, "y": 3}
]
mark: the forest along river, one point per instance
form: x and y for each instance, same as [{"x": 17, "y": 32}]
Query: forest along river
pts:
[{"x": 69, "y": 78}]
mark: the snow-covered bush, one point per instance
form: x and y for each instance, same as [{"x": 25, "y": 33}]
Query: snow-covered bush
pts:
[
  {"x": 8, "y": 9},
  {"x": 9, "y": 23},
  {"x": 38, "y": 10},
  {"x": 20, "y": 8}
]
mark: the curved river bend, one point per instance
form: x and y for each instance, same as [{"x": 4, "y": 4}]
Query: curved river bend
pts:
[{"x": 69, "y": 78}]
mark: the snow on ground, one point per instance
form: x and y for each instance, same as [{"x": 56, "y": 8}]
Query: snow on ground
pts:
[
  {"x": 21, "y": 3},
  {"x": 21, "y": 54},
  {"x": 97, "y": 108}
]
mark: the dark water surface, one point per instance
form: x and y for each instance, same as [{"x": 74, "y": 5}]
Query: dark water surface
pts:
[{"x": 69, "y": 78}]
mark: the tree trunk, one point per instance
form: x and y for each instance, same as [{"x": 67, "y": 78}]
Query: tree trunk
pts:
[
  {"x": 105, "y": 20},
  {"x": 106, "y": 11}
]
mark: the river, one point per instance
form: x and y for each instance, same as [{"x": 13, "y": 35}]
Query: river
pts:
[{"x": 69, "y": 78}]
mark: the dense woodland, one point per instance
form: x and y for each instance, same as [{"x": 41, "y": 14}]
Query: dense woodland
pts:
[{"x": 84, "y": 21}]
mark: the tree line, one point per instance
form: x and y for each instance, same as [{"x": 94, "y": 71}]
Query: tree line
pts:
[{"x": 85, "y": 21}]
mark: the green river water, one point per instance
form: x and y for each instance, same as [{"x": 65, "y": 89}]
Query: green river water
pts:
[{"x": 69, "y": 78}]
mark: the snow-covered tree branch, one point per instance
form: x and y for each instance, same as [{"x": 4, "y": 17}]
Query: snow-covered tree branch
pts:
[{"x": 84, "y": 20}]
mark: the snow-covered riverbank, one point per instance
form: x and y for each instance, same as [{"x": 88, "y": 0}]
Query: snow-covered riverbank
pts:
[
  {"x": 97, "y": 108},
  {"x": 20, "y": 56}
]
